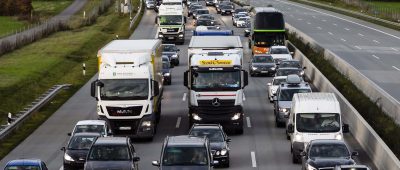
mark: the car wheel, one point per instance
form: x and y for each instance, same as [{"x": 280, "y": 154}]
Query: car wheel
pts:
[
  {"x": 169, "y": 82},
  {"x": 226, "y": 164},
  {"x": 295, "y": 160},
  {"x": 177, "y": 62}
]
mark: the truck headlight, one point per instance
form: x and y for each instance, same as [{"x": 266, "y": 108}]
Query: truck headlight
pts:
[
  {"x": 160, "y": 36},
  {"x": 254, "y": 68},
  {"x": 298, "y": 137},
  {"x": 236, "y": 116},
  {"x": 68, "y": 158},
  {"x": 167, "y": 74},
  {"x": 196, "y": 117},
  {"x": 309, "y": 167},
  {"x": 284, "y": 110},
  {"x": 180, "y": 35},
  {"x": 223, "y": 152},
  {"x": 338, "y": 137},
  {"x": 301, "y": 73},
  {"x": 146, "y": 123}
]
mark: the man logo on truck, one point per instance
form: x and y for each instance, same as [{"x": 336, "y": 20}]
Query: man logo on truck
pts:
[{"x": 215, "y": 102}]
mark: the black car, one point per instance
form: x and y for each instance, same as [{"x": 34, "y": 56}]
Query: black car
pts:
[
  {"x": 209, "y": 2},
  {"x": 193, "y": 8},
  {"x": 204, "y": 22},
  {"x": 112, "y": 153},
  {"x": 166, "y": 71},
  {"x": 326, "y": 154},
  {"x": 262, "y": 64},
  {"x": 198, "y": 12},
  {"x": 218, "y": 7},
  {"x": 218, "y": 141},
  {"x": 226, "y": 9},
  {"x": 289, "y": 63},
  {"x": 172, "y": 52},
  {"x": 77, "y": 149},
  {"x": 289, "y": 70}
]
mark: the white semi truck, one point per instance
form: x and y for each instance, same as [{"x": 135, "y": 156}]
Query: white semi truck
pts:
[
  {"x": 171, "y": 23},
  {"x": 216, "y": 81},
  {"x": 129, "y": 86}
]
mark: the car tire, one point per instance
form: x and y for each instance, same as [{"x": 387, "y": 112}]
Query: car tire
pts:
[
  {"x": 177, "y": 63},
  {"x": 295, "y": 160},
  {"x": 226, "y": 164},
  {"x": 169, "y": 82}
]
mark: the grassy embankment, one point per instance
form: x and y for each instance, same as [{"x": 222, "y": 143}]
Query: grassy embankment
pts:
[{"x": 31, "y": 70}]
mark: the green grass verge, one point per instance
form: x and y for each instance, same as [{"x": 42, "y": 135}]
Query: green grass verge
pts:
[
  {"x": 58, "y": 61},
  {"x": 45, "y": 9},
  {"x": 348, "y": 7},
  {"x": 10, "y": 24},
  {"x": 395, "y": 6},
  {"x": 386, "y": 128}
]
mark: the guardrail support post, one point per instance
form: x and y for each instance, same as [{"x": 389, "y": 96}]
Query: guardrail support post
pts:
[{"x": 9, "y": 118}]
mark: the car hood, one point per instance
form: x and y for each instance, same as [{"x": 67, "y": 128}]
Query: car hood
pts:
[
  {"x": 217, "y": 146},
  {"x": 108, "y": 165},
  {"x": 185, "y": 168},
  {"x": 168, "y": 53},
  {"x": 285, "y": 104},
  {"x": 78, "y": 154},
  {"x": 263, "y": 64},
  {"x": 329, "y": 162}
]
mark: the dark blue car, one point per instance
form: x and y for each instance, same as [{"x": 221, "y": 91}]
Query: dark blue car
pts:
[{"x": 26, "y": 164}]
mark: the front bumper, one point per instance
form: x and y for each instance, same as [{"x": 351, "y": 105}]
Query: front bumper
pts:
[
  {"x": 222, "y": 116},
  {"x": 171, "y": 38},
  {"x": 150, "y": 6},
  {"x": 132, "y": 127},
  {"x": 263, "y": 71},
  {"x": 68, "y": 165},
  {"x": 226, "y": 12},
  {"x": 221, "y": 159}
]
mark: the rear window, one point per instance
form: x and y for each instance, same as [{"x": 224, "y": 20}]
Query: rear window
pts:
[
  {"x": 22, "y": 167},
  {"x": 109, "y": 153},
  {"x": 185, "y": 156}
]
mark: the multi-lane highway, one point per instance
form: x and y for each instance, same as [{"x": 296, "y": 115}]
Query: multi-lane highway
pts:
[
  {"x": 262, "y": 146},
  {"x": 373, "y": 50}
]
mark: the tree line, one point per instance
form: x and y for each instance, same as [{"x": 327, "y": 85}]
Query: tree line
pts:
[{"x": 15, "y": 7}]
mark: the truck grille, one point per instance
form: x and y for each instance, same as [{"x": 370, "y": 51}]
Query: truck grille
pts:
[
  {"x": 209, "y": 103},
  {"x": 124, "y": 111},
  {"x": 172, "y": 29},
  {"x": 116, "y": 124},
  {"x": 326, "y": 168}
]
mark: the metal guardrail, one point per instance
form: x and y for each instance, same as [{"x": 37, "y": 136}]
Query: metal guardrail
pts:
[
  {"x": 136, "y": 15},
  {"x": 27, "y": 112}
]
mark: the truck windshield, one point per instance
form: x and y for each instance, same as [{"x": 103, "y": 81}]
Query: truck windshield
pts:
[
  {"x": 267, "y": 39},
  {"x": 318, "y": 122},
  {"x": 186, "y": 156},
  {"x": 216, "y": 80},
  {"x": 170, "y": 20},
  {"x": 124, "y": 89},
  {"x": 287, "y": 94}
]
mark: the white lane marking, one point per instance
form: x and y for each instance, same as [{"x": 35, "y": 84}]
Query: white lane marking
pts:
[
  {"x": 395, "y": 49},
  {"x": 324, "y": 20},
  {"x": 343, "y": 40},
  {"x": 334, "y": 24},
  {"x": 178, "y": 122},
  {"x": 358, "y": 47},
  {"x": 313, "y": 16},
  {"x": 319, "y": 28},
  {"x": 184, "y": 97},
  {"x": 253, "y": 159},
  {"x": 360, "y": 35},
  {"x": 330, "y": 33},
  {"x": 346, "y": 29},
  {"x": 398, "y": 69},
  {"x": 248, "y": 122},
  {"x": 375, "y": 56},
  {"x": 344, "y": 20},
  {"x": 299, "y": 19},
  {"x": 308, "y": 23},
  {"x": 376, "y": 41},
  {"x": 291, "y": 15}
]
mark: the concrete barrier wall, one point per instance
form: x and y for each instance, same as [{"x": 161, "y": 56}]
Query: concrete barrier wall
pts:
[
  {"x": 381, "y": 155},
  {"x": 390, "y": 106}
]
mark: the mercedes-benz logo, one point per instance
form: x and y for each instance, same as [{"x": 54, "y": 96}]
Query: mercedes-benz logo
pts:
[{"x": 215, "y": 102}]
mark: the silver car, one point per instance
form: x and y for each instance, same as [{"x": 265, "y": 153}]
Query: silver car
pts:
[{"x": 273, "y": 86}]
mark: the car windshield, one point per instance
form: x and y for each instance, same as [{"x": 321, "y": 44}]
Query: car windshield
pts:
[
  {"x": 195, "y": 7},
  {"x": 285, "y": 72},
  {"x": 22, "y": 167},
  {"x": 199, "y": 12},
  {"x": 278, "y": 81},
  {"x": 239, "y": 15},
  {"x": 216, "y": 80},
  {"x": 279, "y": 51},
  {"x": 287, "y": 94},
  {"x": 214, "y": 135},
  {"x": 185, "y": 156},
  {"x": 109, "y": 153},
  {"x": 170, "y": 20},
  {"x": 205, "y": 16},
  {"x": 169, "y": 48},
  {"x": 243, "y": 19},
  {"x": 263, "y": 59},
  {"x": 240, "y": 10},
  {"x": 204, "y": 22},
  {"x": 90, "y": 129},
  {"x": 318, "y": 122},
  {"x": 225, "y": 7},
  {"x": 329, "y": 151},
  {"x": 124, "y": 89},
  {"x": 81, "y": 142},
  {"x": 295, "y": 64}
]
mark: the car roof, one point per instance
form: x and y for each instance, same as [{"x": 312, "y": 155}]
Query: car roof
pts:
[
  {"x": 111, "y": 141},
  {"x": 327, "y": 141},
  {"x": 186, "y": 140},
  {"x": 91, "y": 122},
  {"x": 294, "y": 60},
  {"x": 168, "y": 44},
  {"x": 279, "y": 46},
  {"x": 262, "y": 55},
  {"x": 206, "y": 126},
  {"x": 26, "y": 162},
  {"x": 288, "y": 68},
  {"x": 280, "y": 77},
  {"x": 86, "y": 134}
]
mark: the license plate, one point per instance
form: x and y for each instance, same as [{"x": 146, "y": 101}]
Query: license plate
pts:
[
  {"x": 171, "y": 38},
  {"x": 264, "y": 71},
  {"x": 125, "y": 128}
]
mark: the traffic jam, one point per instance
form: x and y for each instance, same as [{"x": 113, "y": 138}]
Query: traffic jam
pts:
[{"x": 132, "y": 75}]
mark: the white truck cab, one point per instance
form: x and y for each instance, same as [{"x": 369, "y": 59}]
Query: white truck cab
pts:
[
  {"x": 171, "y": 23},
  {"x": 314, "y": 116}
]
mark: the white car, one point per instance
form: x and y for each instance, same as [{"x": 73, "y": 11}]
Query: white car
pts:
[
  {"x": 273, "y": 86},
  {"x": 243, "y": 22},
  {"x": 280, "y": 53},
  {"x": 94, "y": 126},
  {"x": 236, "y": 18}
]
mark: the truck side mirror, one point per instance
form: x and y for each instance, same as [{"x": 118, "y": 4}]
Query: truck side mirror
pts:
[
  {"x": 93, "y": 88},
  {"x": 345, "y": 128},
  {"x": 290, "y": 128},
  {"x": 156, "y": 88},
  {"x": 185, "y": 78},
  {"x": 245, "y": 78}
]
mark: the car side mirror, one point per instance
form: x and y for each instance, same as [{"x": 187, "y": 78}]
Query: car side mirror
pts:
[
  {"x": 156, "y": 88},
  {"x": 269, "y": 84},
  {"x": 303, "y": 153},
  {"x": 155, "y": 163},
  {"x": 135, "y": 159},
  {"x": 110, "y": 133},
  {"x": 354, "y": 153},
  {"x": 345, "y": 128},
  {"x": 63, "y": 149},
  {"x": 69, "y": 133},
  {"x": 228, "y": 140},
  {"x": 290, "y": 128}
]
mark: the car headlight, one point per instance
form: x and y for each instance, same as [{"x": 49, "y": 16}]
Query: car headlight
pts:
[
  {"x": 309, "y": 167},
  {"x": 273, "y": 68},
  {"x": 283, "y": 110},
  {"x": 273, "y": 91},
  {"x": 180, "y": 35},
  {"x": 146, "y": 123},
  {"x": 223, "y": 10},
  {"x": 68, "y": 158},
  {"x": 298, "y": 137},
  {"x": 160, "y": 35},
  {"x": 236, "y": 116},
  {"x": 196, "y": 117},
  {"x": 254, "y": 68},
  {"x": 167, "y": 74},
  {"x": 217, "y": 153},
  {"x": 338, "y": 137},
  {"x": 174, "y": 56},
  {"x": 224, "y": 152},
  {"x": 302, "y": 73}
]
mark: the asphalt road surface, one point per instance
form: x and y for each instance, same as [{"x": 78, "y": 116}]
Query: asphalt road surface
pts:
[
  {"x": 373, "y": 50},
  {"x": 262, "y": 146}
]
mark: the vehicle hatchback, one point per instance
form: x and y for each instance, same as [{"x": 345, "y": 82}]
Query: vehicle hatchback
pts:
[
  {"x": 26, "y": 164},
  {"x": 77, "y": 149},
  {"x": 262, "y": 64}
]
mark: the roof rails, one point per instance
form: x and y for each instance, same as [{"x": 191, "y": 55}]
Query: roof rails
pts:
[{"x": 293, "y": 80}]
